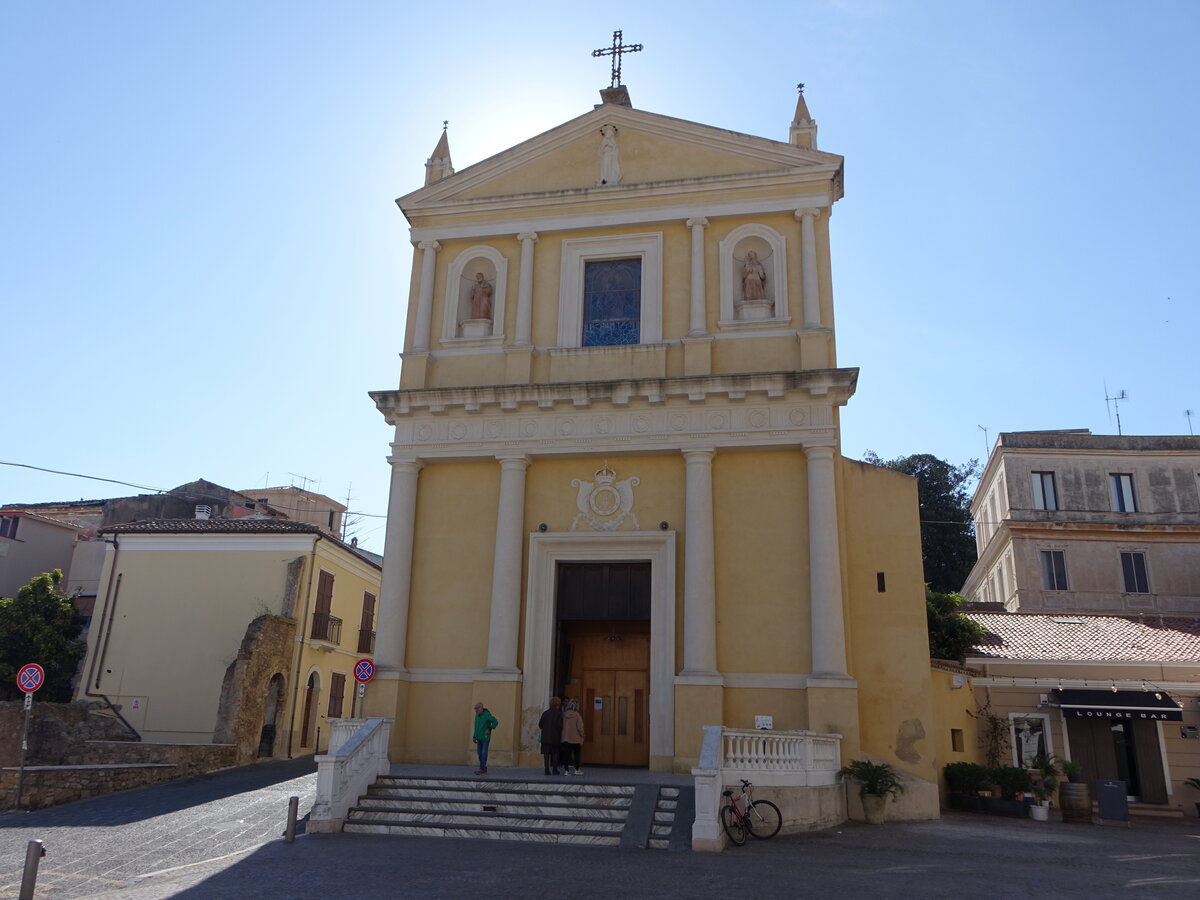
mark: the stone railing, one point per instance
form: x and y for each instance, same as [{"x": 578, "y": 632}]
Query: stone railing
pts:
[
  {"x": 800, "y": 768},
  {"x": 357, "y": 755}
]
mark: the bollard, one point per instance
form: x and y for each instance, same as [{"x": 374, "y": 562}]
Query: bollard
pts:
[
  {"x": 293, "y": 806},
  {"x": 34, "y": 851}
]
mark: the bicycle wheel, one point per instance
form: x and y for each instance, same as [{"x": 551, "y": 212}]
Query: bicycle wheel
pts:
[
  {"x": 764, "y": 819},
  {"x": 733, "y": 825}
]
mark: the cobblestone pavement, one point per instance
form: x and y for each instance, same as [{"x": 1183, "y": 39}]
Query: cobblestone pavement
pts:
[
  {"x": 217, "y": 837},
  {"x": 106, "y": 842}
]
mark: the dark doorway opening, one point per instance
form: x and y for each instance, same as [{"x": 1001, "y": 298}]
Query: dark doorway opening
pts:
[{"x": 602, "y": 656}]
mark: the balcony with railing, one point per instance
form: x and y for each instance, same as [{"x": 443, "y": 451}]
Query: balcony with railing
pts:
[
  {"x": 366, "y": 641},
  {"x": 326, "y": 628}
]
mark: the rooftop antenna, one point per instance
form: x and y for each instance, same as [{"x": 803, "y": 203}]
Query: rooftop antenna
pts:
[
  {"x": 304, "y": 478},
  {"x": 987, "y": 447},
  {"x": 1115, "y": 401},
  {"x": 1188, "y": 415}
]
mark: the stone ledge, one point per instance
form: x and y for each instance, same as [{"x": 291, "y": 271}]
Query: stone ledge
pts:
[{"x": 92, "y": 767}]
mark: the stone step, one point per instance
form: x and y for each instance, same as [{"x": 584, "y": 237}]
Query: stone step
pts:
[
  {"x": 543, "y": 835},
  {"x": 469, "y": 806},
  {"x": 442, "y": 818},
  {"x": 443, "y": 795},
  {"x": 397, "y": 782}
]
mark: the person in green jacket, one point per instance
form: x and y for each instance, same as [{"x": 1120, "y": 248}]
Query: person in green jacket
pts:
[{"x": 484, "y": 723}]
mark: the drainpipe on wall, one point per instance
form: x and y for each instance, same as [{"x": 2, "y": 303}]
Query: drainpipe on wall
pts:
[
  {"x": 109, "y": 610},
  {"x": 312, "y": 564}
]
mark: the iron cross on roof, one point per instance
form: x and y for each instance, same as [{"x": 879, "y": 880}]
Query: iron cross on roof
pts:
[{"x": 615, "y": 51}]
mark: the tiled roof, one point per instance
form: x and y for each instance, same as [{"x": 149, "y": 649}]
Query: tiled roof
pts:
[
  {"x": 248, "y": 525},
  {"x": 1087, "y": 638}
]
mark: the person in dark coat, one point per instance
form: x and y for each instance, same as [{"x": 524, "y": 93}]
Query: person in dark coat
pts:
[{"x": 551, "y": 724}]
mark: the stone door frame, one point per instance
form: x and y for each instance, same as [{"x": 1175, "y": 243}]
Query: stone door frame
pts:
[{"x": 546, "y": 550}]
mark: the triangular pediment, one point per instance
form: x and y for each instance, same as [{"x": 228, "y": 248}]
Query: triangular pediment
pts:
[{"x": 650, "y": 150}]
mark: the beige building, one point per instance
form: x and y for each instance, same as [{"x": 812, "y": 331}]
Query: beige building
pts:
[
  {"x": 1118, "y": 695},
  {"x": 241, "y": 631},
  {"x": 616, "y": 471},
  {"x": 1089, "y": 555},
  {"x": 301, "y": 505},
  {"x": 31, "y": 544},
  {"x": 1069, "y": 521}
]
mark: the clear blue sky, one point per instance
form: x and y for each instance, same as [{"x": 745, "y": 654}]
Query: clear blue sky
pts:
[{"x": 203, "y": 271}]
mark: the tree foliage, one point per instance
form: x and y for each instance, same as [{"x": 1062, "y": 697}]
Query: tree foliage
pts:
[
  {"x": 951, "y": 634},
  {"x": 40, "y": 626},
  {"x": 947, "y": 533}
]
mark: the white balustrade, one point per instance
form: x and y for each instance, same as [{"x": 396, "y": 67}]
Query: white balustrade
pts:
[
  {"x": 357, "y": 755},
  {"x": 776, "y": 759}
]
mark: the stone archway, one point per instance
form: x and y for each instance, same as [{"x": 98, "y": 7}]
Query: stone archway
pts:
[
  {"x": 272, "y": 707},
  {"x": 312, "y": 699}
]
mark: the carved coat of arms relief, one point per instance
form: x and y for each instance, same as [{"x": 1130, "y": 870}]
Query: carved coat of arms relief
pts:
[{"x": 605, "y": 503}]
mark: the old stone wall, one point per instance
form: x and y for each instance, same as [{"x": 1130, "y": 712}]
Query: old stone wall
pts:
[
  {"x": 76, "y": 751},
  {"x": 265, "y": 654},
  {"x": 54, "y": 729}
]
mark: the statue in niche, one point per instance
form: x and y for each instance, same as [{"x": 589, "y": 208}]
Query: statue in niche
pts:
[
  {"x": 481, "y": 298},
  {"x": 610, "y": 166},
  {"x": 754, "y": 278}
]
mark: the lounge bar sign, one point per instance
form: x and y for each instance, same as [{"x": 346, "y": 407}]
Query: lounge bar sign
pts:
[{"x": 1125, "y": 706}]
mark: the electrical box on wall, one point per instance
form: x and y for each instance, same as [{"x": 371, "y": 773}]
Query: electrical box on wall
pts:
[{"x": 1189, "y": 731}]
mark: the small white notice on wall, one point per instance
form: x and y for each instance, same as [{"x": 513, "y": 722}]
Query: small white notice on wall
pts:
[
  {"x": 137, "y": 704},
  {"x": 764, "y": 723},
  {"x": 598, "y": 703}
]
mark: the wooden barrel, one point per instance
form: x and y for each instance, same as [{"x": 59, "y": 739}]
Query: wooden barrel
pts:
[{"x": 1076, "y": 802}]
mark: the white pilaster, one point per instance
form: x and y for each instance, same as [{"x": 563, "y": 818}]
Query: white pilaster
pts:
[
  {"x": 699, "y": 590},
  {"x": 825, "y": 567},
  {"x": 397, "y": 565},
  {"x": 420, "y": 341},
  {"x": 808, "y": 267},
  {"x": 698, "y": 298},
  {"x": 524, "y": 336},
  {"x": 506, "y": 566}
]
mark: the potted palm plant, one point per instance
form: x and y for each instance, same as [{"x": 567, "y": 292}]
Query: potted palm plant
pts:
[
  {"x": 1045, "y": 786},
  {"x": 879, "y": 781}
]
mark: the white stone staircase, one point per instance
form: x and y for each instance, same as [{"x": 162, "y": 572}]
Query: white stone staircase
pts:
[{"x": 564, "y": 810}]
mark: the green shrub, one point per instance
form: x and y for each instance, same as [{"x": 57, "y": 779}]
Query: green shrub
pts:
[
  {"x": 1011, "y": 780},
  {"x": 967, "y": 777}
]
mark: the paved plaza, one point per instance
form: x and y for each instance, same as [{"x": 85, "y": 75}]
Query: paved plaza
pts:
[{"x": 217, "y": 836}]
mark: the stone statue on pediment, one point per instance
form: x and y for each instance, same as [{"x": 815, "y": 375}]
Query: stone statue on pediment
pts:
[{"x": 610, "y": 165}]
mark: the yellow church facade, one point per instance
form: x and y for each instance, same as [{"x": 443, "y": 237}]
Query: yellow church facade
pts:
[{"x": 616, "y": 473}]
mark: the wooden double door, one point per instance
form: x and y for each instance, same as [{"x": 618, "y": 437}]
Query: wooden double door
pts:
[{"x": 610, "y": 677}]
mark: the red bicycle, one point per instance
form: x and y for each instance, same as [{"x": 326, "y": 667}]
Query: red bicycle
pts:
[{"x": 743, "y": 815}]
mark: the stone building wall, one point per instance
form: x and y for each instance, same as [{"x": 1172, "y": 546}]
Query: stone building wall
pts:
[{"x": 55, "y": 729}]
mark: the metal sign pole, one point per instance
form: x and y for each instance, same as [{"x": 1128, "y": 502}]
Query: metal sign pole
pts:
[{"x": 24, "y": 748}]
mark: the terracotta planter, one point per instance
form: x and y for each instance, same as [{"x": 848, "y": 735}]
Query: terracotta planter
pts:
[
  {"x": 1075, "y": 799},
  {"x": 873, "y": 805}
]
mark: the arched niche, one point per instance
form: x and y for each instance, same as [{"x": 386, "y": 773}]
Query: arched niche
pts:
[
  {"x": 459, "y": 324},
  {"x": 741, "y": 305},
  {"x": 311, "y": 709}
]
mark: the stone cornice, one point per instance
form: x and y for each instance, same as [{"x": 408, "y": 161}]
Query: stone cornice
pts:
[
  {"x": 830, "y": 385},
  {"x": 773, "y": 409}
]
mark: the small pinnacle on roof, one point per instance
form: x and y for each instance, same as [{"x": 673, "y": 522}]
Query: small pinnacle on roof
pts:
[{"x": 439, "y": 166}]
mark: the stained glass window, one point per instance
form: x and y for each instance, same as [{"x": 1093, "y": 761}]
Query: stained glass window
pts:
[{"x": 612, "y": 302}]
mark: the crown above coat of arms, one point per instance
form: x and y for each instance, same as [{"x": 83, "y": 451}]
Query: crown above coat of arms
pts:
[{"x": 605, "y": 475}]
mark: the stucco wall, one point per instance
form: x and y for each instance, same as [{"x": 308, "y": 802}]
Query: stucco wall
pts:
[{"x": 887, "y": 630}]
